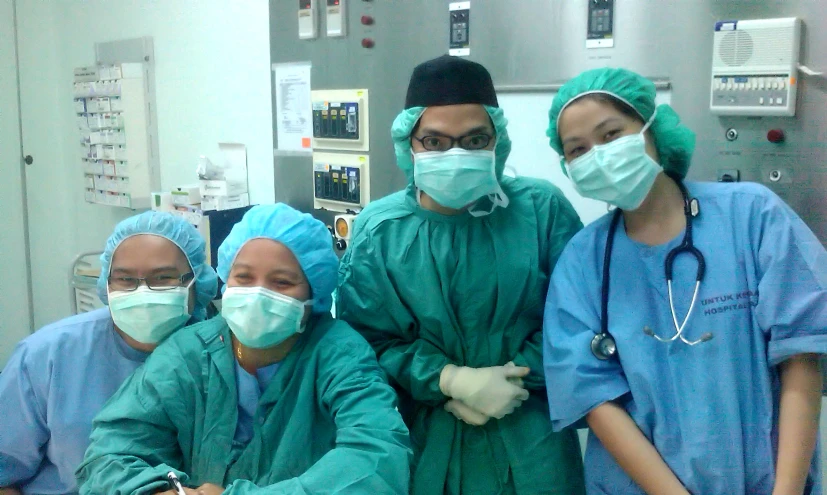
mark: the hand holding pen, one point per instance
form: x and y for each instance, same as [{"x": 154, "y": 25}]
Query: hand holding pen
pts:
[{"x": 176, "y": 488}]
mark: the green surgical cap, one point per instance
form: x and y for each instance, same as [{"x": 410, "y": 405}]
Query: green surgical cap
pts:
[
  {"x": 673, "y": 141},
  {"x": 406, "y": 121}
]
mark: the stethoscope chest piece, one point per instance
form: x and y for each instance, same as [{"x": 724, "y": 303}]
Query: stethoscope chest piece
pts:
[{"x": 603, "y": 346}]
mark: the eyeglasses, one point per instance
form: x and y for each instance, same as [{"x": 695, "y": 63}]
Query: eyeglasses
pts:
[
  {"x": 155, "y": 282},
  {"x": 468, "y": 142}
]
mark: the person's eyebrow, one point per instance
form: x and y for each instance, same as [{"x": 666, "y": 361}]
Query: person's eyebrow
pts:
[
  {"x": 427, "y": 131},
  {"x": 572, "y": 139},
  {"x": 479, "y": 129},
  {"x": 284, "y": 271},
  {"x": 160, "y": 269},
  {"x": 121, "y": 271},
  {"x": 610, "y": 120}
]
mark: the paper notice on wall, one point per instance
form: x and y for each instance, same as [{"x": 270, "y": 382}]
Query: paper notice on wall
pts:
[{"x": 294, "y": 114}]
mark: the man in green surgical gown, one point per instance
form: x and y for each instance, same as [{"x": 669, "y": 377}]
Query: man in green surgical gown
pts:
[{"x": 447, "y": 280}]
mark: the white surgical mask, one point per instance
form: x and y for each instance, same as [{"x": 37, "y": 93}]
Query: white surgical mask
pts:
[
  {"x": 260, "y": 318},
  {"x": 150, "y": 316}
]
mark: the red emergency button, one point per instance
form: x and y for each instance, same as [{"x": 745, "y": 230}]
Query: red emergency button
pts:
[
  {"x": 367, "y": 20},
  {"x": 775, "y": 136},
  {"x": 367, "y": 43}
]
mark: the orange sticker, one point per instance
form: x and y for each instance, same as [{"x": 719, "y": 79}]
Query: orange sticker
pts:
[
  {"x": 792, "y": 81},
  {"x": 305, "y": 142}
]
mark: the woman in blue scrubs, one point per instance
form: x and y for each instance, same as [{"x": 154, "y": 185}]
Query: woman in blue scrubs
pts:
[
  {"x": 154, "y": 278},
  {"x": 709, "y": 388}
]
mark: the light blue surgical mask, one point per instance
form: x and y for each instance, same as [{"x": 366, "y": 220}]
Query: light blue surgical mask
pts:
[
  {"x": 457, "y": 178},
  {"x": 150, "y": 316},
  {"x": 620, "y": 173},
  {"x": 260, "y": 318}
]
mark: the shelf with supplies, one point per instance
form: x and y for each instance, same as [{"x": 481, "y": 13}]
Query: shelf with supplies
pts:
[
  {"x": 111, "y": 105},
  {"x": 83, "y": 279}
]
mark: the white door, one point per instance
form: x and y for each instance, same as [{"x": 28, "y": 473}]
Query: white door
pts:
[
  {"x": 61, "y": 223},
  {"x": 48, "y": 184},
  {"x": 15, "y": 306}
]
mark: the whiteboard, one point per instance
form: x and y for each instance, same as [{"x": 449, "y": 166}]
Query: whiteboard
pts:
[{"x": 531, "y": 155}]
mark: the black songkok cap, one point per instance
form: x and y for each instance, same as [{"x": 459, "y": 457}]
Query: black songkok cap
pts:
[{"x": 450, "y": 80}]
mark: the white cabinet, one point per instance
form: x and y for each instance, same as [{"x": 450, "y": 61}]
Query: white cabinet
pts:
[{"x": 116, "y": 154}]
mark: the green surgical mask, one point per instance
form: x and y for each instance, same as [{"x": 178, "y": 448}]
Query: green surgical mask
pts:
[
  {"x": 457, "y": 178},
  {"x": 620, "y": 173},
  {"x": 150, "y": 316},
  {"x": 260, "y": 317}
]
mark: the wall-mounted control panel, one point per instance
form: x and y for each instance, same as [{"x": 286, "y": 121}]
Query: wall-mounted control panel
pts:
[
  {"x": 341, "y": 181},
  {"x": 308, "y": 20},
  {"x": 336, "y": 120},
  {"x": 459, "y": 20},
  {"x": 336, "y": 14},
  {"x": 341, "y": 120},
  {"x": 601, "y": 24}
]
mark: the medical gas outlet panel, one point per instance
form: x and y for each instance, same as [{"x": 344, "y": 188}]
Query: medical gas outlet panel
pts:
[
  {"x": 341, "y": 120},
  {"x": 341, "y": 181},
  {"x": 336, "y": 120},
  {"x": 755, "y": 67},
  {"x": 112, "y": 117}
]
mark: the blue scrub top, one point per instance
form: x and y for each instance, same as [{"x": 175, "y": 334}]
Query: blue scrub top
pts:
[
  {"x": 54, "y": 384},
  {"x": 250, "y": 388},
  {"x": 710, "y": 410}
]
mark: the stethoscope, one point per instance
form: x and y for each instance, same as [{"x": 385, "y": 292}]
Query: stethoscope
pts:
[{"x": 603, "y": 345}]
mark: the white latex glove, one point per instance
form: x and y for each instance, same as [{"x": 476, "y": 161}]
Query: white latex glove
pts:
[
  {"x": 465, "y": 413},
  {"x": 486, "y": 390}
]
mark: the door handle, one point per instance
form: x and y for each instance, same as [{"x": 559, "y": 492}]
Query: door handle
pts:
[{"x": 28, "y": 159}]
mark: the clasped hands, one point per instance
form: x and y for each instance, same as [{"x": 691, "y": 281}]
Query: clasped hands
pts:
[{"x": 479, "y": 394}]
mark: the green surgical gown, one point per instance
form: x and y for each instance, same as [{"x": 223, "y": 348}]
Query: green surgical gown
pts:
[
  {"x": 326, "y": 424},
  {"x": 427, "y": 290}
]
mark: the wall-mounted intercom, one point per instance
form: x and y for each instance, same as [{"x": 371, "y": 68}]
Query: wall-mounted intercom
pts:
[{"x": 755, "y": 67}]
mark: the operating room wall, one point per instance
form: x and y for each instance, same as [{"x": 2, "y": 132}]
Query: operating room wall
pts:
[
  {"x": 213, "y": 85},
  {"x": 542, "y": 42}
]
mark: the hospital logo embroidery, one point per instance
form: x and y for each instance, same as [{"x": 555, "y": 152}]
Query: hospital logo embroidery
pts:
[{"x": 729, "y": 302}]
